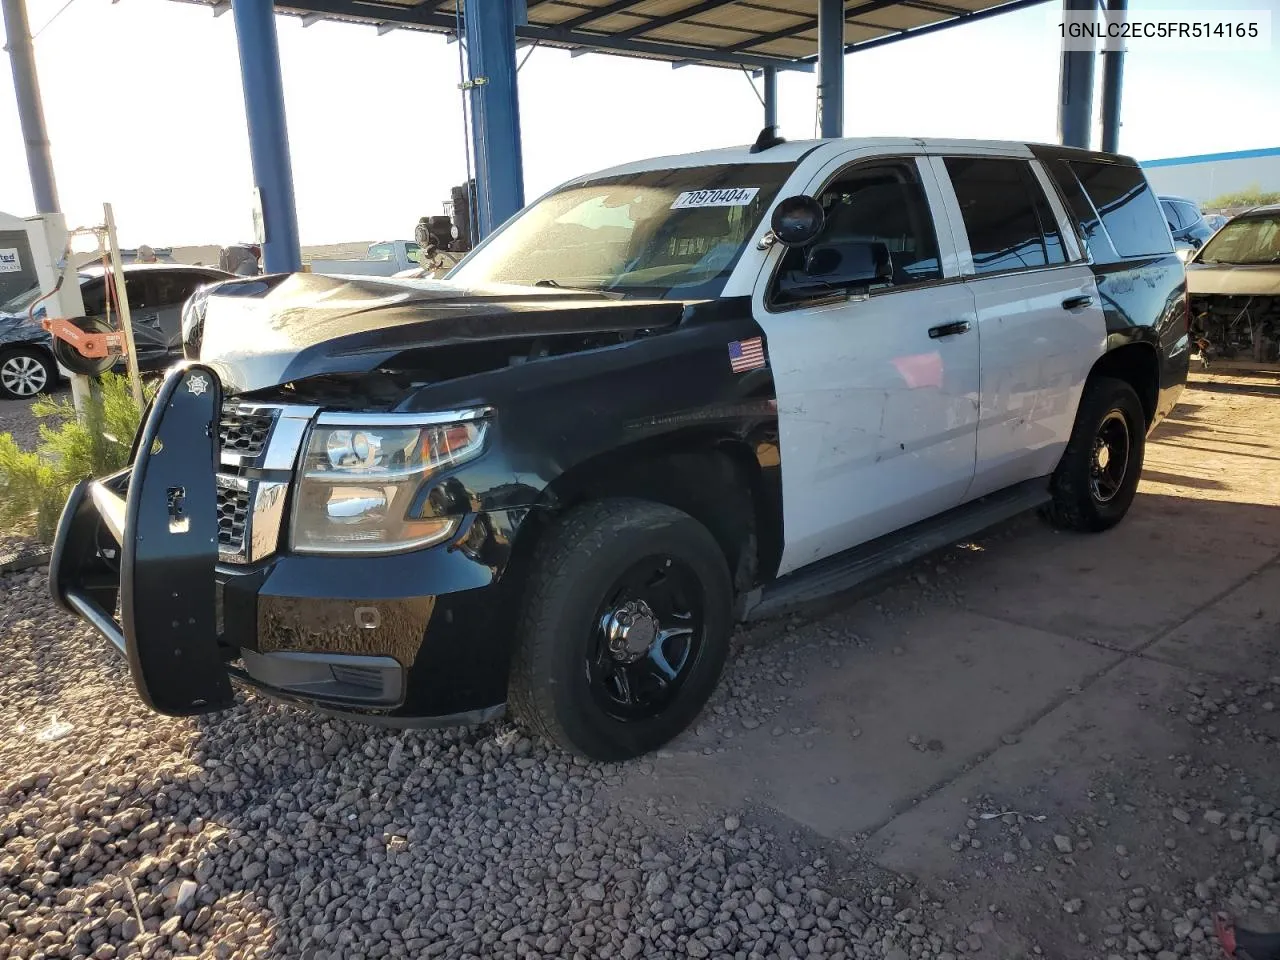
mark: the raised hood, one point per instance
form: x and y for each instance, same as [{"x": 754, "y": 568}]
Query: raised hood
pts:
[
  {"x": 267, "y": 331},
  {"x": 1250, "y": 280}
]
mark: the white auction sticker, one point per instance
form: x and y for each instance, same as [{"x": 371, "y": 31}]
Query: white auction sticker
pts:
[
  {"x": 728, "y": 197},
  {"x": 9, "y": 262}
]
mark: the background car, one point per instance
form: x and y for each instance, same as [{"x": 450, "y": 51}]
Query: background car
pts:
[
  {"x": 156, "y": 294},
  {"x": 1185, "y": 221},
  {"x": 1216, "y": 221}
]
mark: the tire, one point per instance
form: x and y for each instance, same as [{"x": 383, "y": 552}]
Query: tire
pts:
[
  {"x": 565, "y": 682},
  {"x": 25, "y": 373},
  {"x": 1088, "y": 493}
]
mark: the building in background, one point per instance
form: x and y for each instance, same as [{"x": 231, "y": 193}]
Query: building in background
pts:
[{"x": 1209, "y": 176}]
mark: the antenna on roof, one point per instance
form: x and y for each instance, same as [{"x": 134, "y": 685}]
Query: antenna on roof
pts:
[{"x": 769, "y": 137}]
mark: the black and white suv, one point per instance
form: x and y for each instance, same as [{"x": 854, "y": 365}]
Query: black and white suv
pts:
[{"x": 663, "y": 397}]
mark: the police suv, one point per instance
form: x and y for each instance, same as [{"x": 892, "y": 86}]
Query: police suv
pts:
[{"x": 661, "y": 399}]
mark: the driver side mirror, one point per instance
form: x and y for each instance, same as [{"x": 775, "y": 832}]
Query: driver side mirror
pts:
[{"x": 797, "y": 221}]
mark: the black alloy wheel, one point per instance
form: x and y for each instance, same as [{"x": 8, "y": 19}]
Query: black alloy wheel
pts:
[{"x": 648, "y": 634}]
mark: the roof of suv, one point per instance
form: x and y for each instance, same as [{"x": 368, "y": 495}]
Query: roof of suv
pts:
[{"x": 791, "y": 151}]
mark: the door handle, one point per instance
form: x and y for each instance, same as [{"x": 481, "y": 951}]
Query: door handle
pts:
[
  {"x": 951, "y": 329},
  {"x": 1075, "y": 303}
]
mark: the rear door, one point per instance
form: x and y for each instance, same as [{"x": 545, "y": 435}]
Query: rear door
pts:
[
  {"x": 1039, "y": 318},
  {"x": 877, "y": 386}
]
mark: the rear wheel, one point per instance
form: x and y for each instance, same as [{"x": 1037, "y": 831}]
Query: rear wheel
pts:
[
  {"x": 25, "y": 372},
  {"x": 624, "y": 630},
  {"x": 1098, "y": 475}
]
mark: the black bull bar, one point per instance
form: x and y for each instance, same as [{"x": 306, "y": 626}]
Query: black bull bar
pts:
[{"x": 159, "y": 519}]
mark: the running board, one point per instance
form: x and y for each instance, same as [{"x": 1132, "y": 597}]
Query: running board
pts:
[{"x": 855, "y": 567}]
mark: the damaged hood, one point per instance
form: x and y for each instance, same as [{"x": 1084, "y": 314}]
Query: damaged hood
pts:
[
  {"x": 1259, "y": 280},
  {"x": 267, "y": 331}
]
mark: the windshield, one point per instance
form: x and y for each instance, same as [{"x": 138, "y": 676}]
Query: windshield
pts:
[
  {"x": 666, "y": 234},
  {"x": 1246, "y": 240}
]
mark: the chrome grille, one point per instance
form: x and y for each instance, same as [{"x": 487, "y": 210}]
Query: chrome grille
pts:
[
  {"x": 259, "y": 444},
  {"x": 233, "y": 514},
  {"x": 244, "y": 431}
]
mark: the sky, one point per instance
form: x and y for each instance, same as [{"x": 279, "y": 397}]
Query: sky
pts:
[{"x": 143, "y": 103}]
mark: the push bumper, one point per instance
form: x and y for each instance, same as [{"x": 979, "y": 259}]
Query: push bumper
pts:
[{"x": 136, "y": 557}]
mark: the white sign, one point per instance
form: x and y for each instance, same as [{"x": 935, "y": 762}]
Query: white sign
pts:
[
  {"x": 9, "y": 262},
  {"x": 728, "y": 197}
]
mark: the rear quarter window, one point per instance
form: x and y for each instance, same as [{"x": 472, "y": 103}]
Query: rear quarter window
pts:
[{"x": 1129, "y": 211}]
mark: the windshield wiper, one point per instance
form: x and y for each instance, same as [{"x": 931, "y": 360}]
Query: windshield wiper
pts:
[{"x": 546, "y": 283}]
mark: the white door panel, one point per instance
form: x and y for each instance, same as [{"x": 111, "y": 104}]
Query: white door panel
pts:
[
  {"x": 1036, "y": 354},
  {"x": 877, "y": 420}
]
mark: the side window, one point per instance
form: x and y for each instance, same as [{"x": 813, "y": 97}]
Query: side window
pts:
[
  {"x": 93, "y": 293},
  {"x": 1127, "y": 206},
  {"x": 1171, "y": 215},
  {"x": 1188, "y": 214},
  {"x": 1055, "y": 253},
  {"x": 875, "y": 210},
  {"x": 999, "y": 212},
  {"x": 141, "y": 290}
]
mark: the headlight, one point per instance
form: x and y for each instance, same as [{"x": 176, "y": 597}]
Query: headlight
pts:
[{"x": 361, "y": 476}]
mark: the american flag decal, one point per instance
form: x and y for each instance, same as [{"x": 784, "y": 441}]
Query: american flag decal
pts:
[{"x": 746, "y": 355}]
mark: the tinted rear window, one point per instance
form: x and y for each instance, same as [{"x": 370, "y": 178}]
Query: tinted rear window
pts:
[
  {"x": 1000, "y": 215},
  {"x": 1129, "y": 211}
]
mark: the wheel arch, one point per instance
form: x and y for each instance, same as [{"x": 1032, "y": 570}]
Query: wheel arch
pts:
[
  {"x": 1137, "y": 363},
  {"x": 719, "y": 479}
]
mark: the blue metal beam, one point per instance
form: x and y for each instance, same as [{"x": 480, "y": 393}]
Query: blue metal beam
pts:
[
  {"x": 1112, "y": 83},
  {"x": 268, "y": 133},
  {"x": 831, "y": 66},
  {"x": 1075, "y": 86},
  {"x": 770, "y": 96},
  {"x": 495, "y": 111}
]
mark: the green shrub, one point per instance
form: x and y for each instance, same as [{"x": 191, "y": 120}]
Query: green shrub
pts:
[
  {"x": 1254, "y": 196},
  {"x": 35, "y": 485}
]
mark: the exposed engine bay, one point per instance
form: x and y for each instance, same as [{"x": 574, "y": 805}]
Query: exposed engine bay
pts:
[{"x": 1236, "y": 327}]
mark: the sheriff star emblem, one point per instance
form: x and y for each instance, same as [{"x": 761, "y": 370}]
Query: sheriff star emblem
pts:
[{"x": 198, "y": 384}]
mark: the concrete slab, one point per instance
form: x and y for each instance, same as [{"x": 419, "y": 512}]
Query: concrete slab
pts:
[
  {"x": 1170, "y": 556},
  {"x": 839, "y": 760},
  {"x": 1238, "y": 636}
]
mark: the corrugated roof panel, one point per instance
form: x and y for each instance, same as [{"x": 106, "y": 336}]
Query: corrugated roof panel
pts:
[{"x": 715, "y": 37}]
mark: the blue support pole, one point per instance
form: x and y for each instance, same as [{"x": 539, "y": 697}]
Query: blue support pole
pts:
[
  {"x": 268, "y": 134},
  {"x": 831, "y": 66},
  {"x": 1112, "y": 83},
  {"x": 495, "y": 111},
  {"x": 770, "y": 96},
  {"x": 1075, "y": 86}
]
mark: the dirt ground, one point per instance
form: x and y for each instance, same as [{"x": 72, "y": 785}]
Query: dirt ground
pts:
[
  {"x": 1034, "y": 744},
  {"x": 1113, "y": 690}
]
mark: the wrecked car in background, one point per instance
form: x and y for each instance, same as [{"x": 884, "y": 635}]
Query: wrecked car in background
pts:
[{"x": 1234, "y": 286}]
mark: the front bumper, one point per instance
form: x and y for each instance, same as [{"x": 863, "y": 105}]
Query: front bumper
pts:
[{"x": 407, "y": 639}]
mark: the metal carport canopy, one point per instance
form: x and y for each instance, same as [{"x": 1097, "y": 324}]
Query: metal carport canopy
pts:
[
  {"x": 720, "y": 33},
  {"x": 756, "y": 35}
]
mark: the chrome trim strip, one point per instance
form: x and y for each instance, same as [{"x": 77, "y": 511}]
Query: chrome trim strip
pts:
[
  {"x": 266, "y": 519},
  {"x": 433, "y": 418}
]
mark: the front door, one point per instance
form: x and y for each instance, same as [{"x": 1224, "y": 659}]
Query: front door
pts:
[{"x": 877, "y": 385}]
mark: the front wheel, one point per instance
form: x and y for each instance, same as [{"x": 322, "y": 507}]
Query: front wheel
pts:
[
  {"x": 624, "y": 629},
  {"x": 26, "y": 372},
  {"x": 1098, "y": 475}
]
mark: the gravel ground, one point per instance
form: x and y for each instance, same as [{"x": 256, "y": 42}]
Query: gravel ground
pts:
[{"x": 267, "y": 832}]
